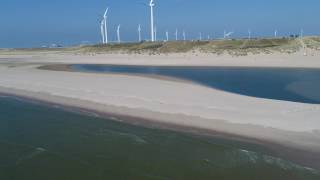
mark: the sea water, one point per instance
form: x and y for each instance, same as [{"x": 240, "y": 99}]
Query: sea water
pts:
[{"x": 39, "y": 141}]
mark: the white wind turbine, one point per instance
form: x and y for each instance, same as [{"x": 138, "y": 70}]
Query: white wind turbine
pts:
[
  {"x": 200, "y": 36},
  {"x": 176, "y": 34},
  {"x": 227, "y": 35},
  {"x": 139, "y": 32},
  {"x": 301, "y": 33},
  {"x": 167, "y": 35},
  {"x": 102, "y": 31},
  {"x": 118, "y": 33},
  {"x": 184, "y": 35},
  {"x": 105, "y": 17},
  {"x": 249, "y": 34},
  {"x": 151, "y": 4},
  {"x": 276, "y": 33}
]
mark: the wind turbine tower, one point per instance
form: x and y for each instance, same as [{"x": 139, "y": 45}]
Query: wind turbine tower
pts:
[
  {"x": 301, "y": 33},
  {"x": 102, "y": 31},
  {"x": 151, "y": 4},
  {"x": 276, "y": 33},
  {"x": 118, "y": 34},
  {"x": 249, "y": 32},
  {"x": 105, "y": 17},
  {"x": 177, "y": 34},
  {"x": 200, "y": 38},
  {"x": 139, "y": 32},
  {"x": 167, "y": 35},
  {"x": 184, "y": 35}
]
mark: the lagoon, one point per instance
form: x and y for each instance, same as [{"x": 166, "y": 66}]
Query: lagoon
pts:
[{"x": 289, "y": 84}]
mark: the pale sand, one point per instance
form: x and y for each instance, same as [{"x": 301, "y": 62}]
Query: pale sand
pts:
[{"x": 190, "y": 105}]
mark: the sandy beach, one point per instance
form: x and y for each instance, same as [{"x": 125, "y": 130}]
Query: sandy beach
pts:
[{"x": 176, "y": 103}]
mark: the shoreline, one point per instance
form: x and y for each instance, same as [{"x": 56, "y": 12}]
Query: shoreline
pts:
[
  {"x": 68, "y": 68},
  {"x": 304, "y": 157},
  {"x": 301, "y": 157}
]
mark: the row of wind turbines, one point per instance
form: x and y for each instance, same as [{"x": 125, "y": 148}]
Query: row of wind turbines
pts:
[
  {"x": 153, "y": 29},
  {"x": 104, "y": 27}
]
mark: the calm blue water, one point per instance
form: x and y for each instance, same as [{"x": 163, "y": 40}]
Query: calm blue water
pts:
[
  {"x": 39, "y": 142},
  {"x": 289, "y": 84}
]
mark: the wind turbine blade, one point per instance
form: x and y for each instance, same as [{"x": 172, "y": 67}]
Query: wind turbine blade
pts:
[{"x": 106, "y": 12}]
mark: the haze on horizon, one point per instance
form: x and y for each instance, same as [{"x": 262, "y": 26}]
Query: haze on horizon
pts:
[{"x": 34, "y": 23}]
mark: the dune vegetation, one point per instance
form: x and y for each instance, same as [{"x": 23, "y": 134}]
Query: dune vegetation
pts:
[
  {"x": 236, "y": 47},
  {"x": 313, "y": 42}
]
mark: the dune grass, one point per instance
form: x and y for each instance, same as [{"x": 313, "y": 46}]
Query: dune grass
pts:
[
  {"x": 237, "y": 47},
  {"x": 312, "y": 42}
]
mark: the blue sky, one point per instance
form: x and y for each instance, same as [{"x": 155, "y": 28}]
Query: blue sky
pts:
[{"x": 33, "y": 23}]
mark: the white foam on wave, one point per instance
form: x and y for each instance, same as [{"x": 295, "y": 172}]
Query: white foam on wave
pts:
[{"x": 254, "y": 157}]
